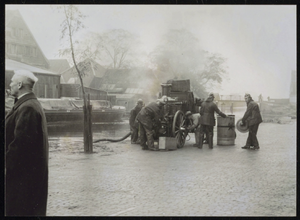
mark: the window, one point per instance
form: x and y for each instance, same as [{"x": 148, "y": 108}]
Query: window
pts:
[
  {"x": 13, "y": 31},
  {"x": 13, "y": 48},
  {"x": 34, "y": 52},
  {"x": 20, "y": 49},
  {"x": 18, "y": 32},
  {"x": 27, "y": 51},
  {"x": 21, "y": 33}
]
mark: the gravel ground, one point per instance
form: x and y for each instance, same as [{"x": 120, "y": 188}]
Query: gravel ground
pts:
[{"x": 120, "y": 179}]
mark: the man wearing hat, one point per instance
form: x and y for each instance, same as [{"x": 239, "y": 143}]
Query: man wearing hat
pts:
[
  {"x": 194, "y": 125},
  {"x": 148, "y": 118},
  {"x": 253, "y": 117},
  {"x": 134, "y": 125},
  {"x": 207, "y": 120}
]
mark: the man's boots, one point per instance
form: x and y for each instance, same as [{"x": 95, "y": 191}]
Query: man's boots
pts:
[{"x": 210, "y": 141}]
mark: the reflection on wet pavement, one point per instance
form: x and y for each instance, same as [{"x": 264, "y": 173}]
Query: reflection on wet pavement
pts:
[{"x": 121, "y": 179}]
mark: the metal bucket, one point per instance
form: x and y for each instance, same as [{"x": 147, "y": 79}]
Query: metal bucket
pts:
[{"x": 226, "y": 130}]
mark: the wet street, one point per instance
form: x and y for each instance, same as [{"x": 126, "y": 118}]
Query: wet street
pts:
[{"x": 120, "y": 179}]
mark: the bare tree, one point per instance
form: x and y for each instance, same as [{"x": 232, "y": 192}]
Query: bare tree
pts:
[
  {"x": 115, "y": 48},
  {"x": 71, "y": 24},
  {"x": 179, "y": 56}
]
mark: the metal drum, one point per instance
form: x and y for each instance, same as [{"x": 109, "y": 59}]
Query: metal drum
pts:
[{"x": 226, "y": 130}]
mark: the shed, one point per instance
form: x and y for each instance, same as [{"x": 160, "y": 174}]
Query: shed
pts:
[{"x": 48, "y": 82}]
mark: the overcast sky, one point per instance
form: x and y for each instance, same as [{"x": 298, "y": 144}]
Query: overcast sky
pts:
[{"x": 258, "y": 41}]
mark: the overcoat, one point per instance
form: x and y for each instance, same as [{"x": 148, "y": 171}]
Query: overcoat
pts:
[
  {"x": 26, "y": 171},
  {"x": 207, "y": 110},
  {"x": 133, "y": 114},
  {"x": 149, "y": 115},
  {"x": 252, "y": 114}
]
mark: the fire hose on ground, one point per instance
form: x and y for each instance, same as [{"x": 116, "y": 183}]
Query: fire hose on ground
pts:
[{"x": 113, "y": 140}]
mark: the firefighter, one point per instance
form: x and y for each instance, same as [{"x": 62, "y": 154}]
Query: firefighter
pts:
[
  {"x": 148, "y": 119},
  {"x": 207, "y": 120},
  {"x": 194, "y": 125},
  {"x": 134, "y": 125},
  {"x": 253, "y": 117}
]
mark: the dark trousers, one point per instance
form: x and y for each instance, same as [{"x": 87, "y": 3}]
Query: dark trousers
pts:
[
  {"x": 252, "y": 139},
  {"x": 207, "y": 129},
  {"x": 134, "y": 133},
  {"x": 146, "y": 135}
]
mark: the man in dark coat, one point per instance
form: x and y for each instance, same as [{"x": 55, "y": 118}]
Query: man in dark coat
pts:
[
  {"x": 148, "y": 118},
  {"x": 26, "y": 151},
  {"x": 134, "y": 125},
  {"x": 253, "y": 117},
  {"x": 207, "y": 120}
]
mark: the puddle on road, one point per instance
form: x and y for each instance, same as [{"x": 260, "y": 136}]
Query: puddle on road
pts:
[{"x": 100, "y": 130}]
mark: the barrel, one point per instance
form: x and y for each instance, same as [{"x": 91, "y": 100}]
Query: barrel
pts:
[{"x": 226, "y": 130}]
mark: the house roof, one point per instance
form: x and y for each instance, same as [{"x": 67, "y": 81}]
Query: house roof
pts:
[
  {"x": 96, "y": 83},
  {"x": 91, "y": 70},
  {"x": 10, "y": 15},
  {"x": 134, "y": 91},
  {"x": 59, "y": 65},
  {"x": 11, "y": 65},
  {"x": 124, "y": 96}
]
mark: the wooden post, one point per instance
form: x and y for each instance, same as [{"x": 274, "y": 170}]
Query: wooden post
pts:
[
  {"x": 90, "y": 133},
  {"x": 85, "y": 130},
  {"x": 88, "y": 136}
]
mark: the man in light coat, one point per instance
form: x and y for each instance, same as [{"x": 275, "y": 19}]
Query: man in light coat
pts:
[
  {"x": 26, "y": 151},
  {"x": 253, "y": 117}
]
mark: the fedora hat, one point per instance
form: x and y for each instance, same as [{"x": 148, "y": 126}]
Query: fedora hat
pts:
[{"x": 240, "y": 128}]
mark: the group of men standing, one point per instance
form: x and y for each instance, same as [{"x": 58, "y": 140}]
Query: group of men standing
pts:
[{"x": 144, "y": 119}]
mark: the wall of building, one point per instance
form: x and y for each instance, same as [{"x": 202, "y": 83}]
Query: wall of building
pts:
[
  {"x": 74, "y": 90},
  {"x": 293, "y": 90},
  {"x": 46, "y": 87},
  {"x": 20, "y": 44}
]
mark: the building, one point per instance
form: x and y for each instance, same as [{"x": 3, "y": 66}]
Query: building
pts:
[
  {"x": 123, "y": 86},
  {"x": 20, "y": 44},
  {"x": 48, "y": 84},
  {"x": 91, "y": 72},
  {"x": 23, "y": 52},
  {"x": 58, "y": 65},
  {"x": 74, "y": 90},
  {"x": 293, "y": 89}
]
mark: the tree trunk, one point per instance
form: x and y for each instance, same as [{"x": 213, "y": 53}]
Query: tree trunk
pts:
[
  {"x": 88, "y": 135},
  {"x": 88, "y": 144}
]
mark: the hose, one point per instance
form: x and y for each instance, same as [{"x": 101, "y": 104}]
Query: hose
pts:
[{"x": 114, "y": 140}]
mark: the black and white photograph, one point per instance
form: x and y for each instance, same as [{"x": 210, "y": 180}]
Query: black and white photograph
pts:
[{"x": 150, "y": 110}]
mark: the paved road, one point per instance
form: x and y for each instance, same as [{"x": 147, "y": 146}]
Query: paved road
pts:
[{"x": 120, "y": 179}]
